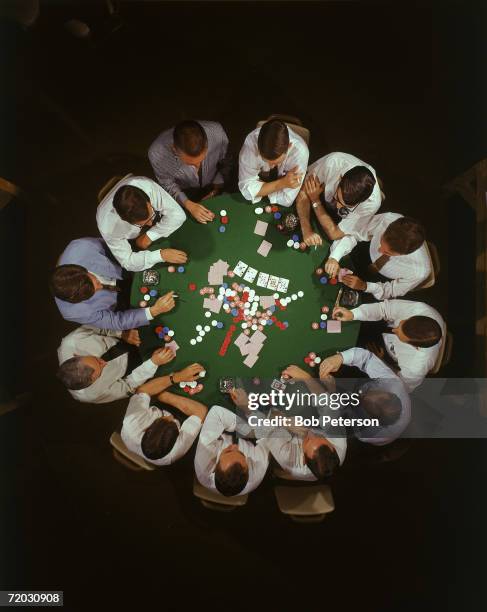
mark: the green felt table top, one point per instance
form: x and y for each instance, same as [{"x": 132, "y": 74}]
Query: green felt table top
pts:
[{"x": 204, "y": 245}]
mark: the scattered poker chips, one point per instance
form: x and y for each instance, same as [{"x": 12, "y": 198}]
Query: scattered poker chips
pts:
[{"x": 312, "y": 359}]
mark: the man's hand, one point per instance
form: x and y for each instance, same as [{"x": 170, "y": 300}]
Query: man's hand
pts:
[
  {"x": 240, "y": 398},
  {"x": 342, "y": 314},
  {"x": 189, "y": 373},
  {"x": 131, "y": 336},
  {"x": 161, "y": 356},
  {"x": 143, "y": 241},
  {"x": 199, "y": 212},
  {"x": 293, "y": 371},
  {"x": 354, "y": 282},
  {"x": 174, "y": 256},
  {"x": 164, "y": 304},
  {"x": 332, "y": 267},
  {"x": 330, "y": 364},
  {"x": 217, "y": 189},
  {"x": 292, "y": 178},
  {"x": 312, "y": 239},
  {"x": 313, "y": 187}
]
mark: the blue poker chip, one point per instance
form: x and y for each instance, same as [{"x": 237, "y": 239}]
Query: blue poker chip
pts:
[
  {"x": 181, "y": 269},
  {"x": 225, "y": 285},
  {"x": 161, "y": 335},
  {"x": 153, "y": 293},
  {"x": 295, "y": 238},
  {"x": 323, "y": 324},
  {"x": 272, "y": 308},
  {"x": 323, "y": 280},
  {"x": 165, "y": 329},
  {"x": 270, "y": 321},
  {"x": 234, "y": 312},
  {"x": 285, "y": 323},
  {"x": 219, "y": 324},
  {"x": 277, "y": 215},
  {"x": 222, "y": 229}
]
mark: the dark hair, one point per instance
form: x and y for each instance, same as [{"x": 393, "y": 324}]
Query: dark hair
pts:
[
  {"x": 232, "y": 481},
  {"x": 382, "y": 405},
  {"x": 404, "y": 235},
  {"x": 75, "y": 374},
  {"x": 273, "y": 139},
  {"x": 159, "y": 438},
  {"x": 131, "y": 203},
  {"x": 324, "y": 462},
  {"x": 71, "y": 283},
  {"x": 357, "y": 184},
  {"x": 190, "y": 138},
  {"x": 422, "y": 331}
]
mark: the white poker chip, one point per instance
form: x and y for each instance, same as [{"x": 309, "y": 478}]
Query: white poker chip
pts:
[
  {"x": 300, "y": 293},
  {"x": 228, "y": 292},
  {"x": 296, "y": 245},
  {"x": 290, "y": 243},
  {"x": 147, "y": 297},
  {"x": 246, "y": 289},
  {"x": 276, "y": 296},
  {"x": 207, "y": 328},
  {"x": 220, "y": 297},
  {"x": 202, "y": 332},
  {"x": 258, "y": 210},
  {"x": 246, "y": 311},
  {"x": 182, "y": 384},
  {"x": 198, "y": 328},
  {"x": 244, "y": 325},
  {"x": 283, "y": 301},
  {"x": 192, "y": 384},
  {"x": 324, "y": 317},
  {"x": 247, "y": 305},
  {"x": 199, "y": 339},
  {"x": 294, "y": 296},
  {"x": 192, "y": 341},
  {"x": 214, "y": 323},
  {"x": 221, "y": 290},
  {"x": 254, "y": 327},
  {"x": 223, "y": 213},
  {"x": 202, "y": 374},
  {"x": 170, "y": 333},
  {"x": 207, "y": 314},
  {"x": 317, "y": 359}
]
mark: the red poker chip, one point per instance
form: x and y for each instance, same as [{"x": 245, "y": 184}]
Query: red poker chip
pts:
[
  {"x": 144, "y": 290},
  {"x": 274, "y": 208},
  {"x": 187, "y": 389},
  {"x": 224, "y": 220},
  {"x": 158, "y": 329},
  {"x": 192, "y": 287},
  {"x": 333, "y": 281}
]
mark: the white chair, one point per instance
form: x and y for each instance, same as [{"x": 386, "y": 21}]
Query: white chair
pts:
[
  {"x": 126, "y": 457},
  {"x": 212, "y": 500},
  {"x": 111, "y": 185},
  {"x": 445, "y": 353},
  {"x": 435, "y": 267}
]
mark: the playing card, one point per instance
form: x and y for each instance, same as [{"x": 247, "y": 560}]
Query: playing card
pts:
[
  {"x": 333, "y": 327},
  {"x": 273, "y": 281},
  {"x": 262, "y": 279},
  {"x": 283, "y": 285},
  {"x": 250, "y": 275},
  {"x": 250, "y": 360},
  {"x": 266, "y": 301},
  {"x": 173, "y": 345},
  {"x": 258, "y": 337},
  {"x": 264, "y": 248},
  {"x": 240, "y": 268},
  {"x": 241, "y": 340},
  {"x": 261, "y": 228}
]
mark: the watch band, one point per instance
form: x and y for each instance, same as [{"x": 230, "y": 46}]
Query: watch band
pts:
[
  {"x": 315, "y": 204},
  {"x": 171, "y": 378}
]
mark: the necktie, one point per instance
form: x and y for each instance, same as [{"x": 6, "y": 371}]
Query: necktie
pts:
[{"x": 379, "y": 263}]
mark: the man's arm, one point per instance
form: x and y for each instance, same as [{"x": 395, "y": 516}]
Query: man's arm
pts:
[
  {"x": 394, "y": 288},
  {"x": 186, "y": 405},
  {"x": 367, "y": 362},
  {"x": 173, "y": 215},
  {"x": 117, "y": 320},
  {"x": 131, "y": 261}
]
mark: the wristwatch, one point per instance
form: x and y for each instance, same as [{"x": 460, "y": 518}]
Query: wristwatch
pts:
[
  {"x": 171, "y": 378},
  {"x": 315, "y": 204}
]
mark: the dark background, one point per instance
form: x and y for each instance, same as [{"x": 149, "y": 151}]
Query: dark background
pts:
[{"x": 400, "y": 85}]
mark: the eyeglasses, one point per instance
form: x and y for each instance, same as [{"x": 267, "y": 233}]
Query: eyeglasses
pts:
[
  {"x": 344, "y": 210},
  {"x": 155, "y": 218}
]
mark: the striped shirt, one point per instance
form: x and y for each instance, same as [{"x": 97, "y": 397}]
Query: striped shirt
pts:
[{"x": 175, "y": 176}]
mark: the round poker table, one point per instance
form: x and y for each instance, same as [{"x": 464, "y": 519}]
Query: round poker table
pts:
[{"x": 205, "y": 245}]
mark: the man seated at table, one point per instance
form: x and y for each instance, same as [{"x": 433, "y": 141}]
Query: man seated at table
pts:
[
  {"x": 397, "y": 251},
  {"x": 303, "y": 453},
  {"x": 139, "y": 209},
  {"x": 92, "y": 375},
  {"x": 155, "y": 434},
  {"x": 272, "y": 163},
  {"x": 343, "y": 192},
  {"x": 86, "y": 288},
  {"x": 230, "y": 465},
  {"x": 192, "y": 163},
  {"x": 383, "y": 397},
  {"x": 415, "y": 339}
]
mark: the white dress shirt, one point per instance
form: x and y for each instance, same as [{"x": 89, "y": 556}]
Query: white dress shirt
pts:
[
  {"x": 329, "y": 170},
  {"x": 214, "y": 439},
  {"x": 414, "y": 362},
  {"x": 117, "y": 232},
  {"x": 251, "y": 164},
  {"x": 112, "y": 384},
  {"x": 140, "y": 415},
  {"x": 287, "y": 448},
  {"x": 406, "y": 271},
  {"x": 376, "y": 369}
]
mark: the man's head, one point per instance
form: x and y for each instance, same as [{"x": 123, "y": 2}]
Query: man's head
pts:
[
  {"x": 231, "y": 472},
  {"x": 133, "y": 205},
  {"x": 402, "y": 237},
  {"x": 80, "y": 372},
  {"x": 381, "y": 405},
  {"x": 159, "y": 438},
  {"x": 190, "y": 142},
  {"x": 419, "y": 331},
  {"x": 355, "y": 187},
  {"x": 273, "y": 142},
  {"x": 320, "y": 456},
  {"x": 72, "y": 283}
]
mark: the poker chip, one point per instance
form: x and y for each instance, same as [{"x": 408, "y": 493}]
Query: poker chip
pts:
[
  {"x": 219, "y": 325},
  {"x": 153, "y": 293},
  {"x": 144, "y": 290},
  {"x": 294, "y": 296},
  {"x": 171, "y": 269},
  {"x": 143, "y": 304},
  {"x": 303, "y": 246},
  {"x": 319, "y": 271},
  {"x": 268, "y": 209},
  {"x": 192, "y": 341},
  {"x": 180, "y": 269},
  {"x": 199, "y": 339},
  {"x": 202, "y": 374},
  {"x": 324, "y": 309},
  {"x": 223, "y": 213},
  {"x": 277, "y": 215},
  {"x": 258, "y": 210},
  {"x": 324, "y": 317},
  {"x": 170, "y": 333},
  {"x": 317, "y": 360},
  {"x": 315, "y": 325},
  {"x": 323, "y": 280},
  {"x": 274, "y": 208},
  {"x": 323, "y": 325},
  {"x": 254, "y": 327},
  {"x": 147, "y": 297},
  {"x": 158, "y": 329},
  {"x": 207, "y": 314},
  {"x": 202, "y": 333},
  {"x": 221, "y": 229},
  {"x": 224, "y": 220},
  {"x": 311, "y": 355},
  {"x": 300, "y": 294},
  {"x": 199, "y": 328},
  {"x": 182, "y": 385},
  {"x": 290, "y": 243},
  {"x": 199, "y": 387},
  {"x": 165, "y": 329},
  {"x": 244, "y": 325},
  {"x": 214, "y": 323},
  {"x": 333, "y": 281},
  {"x": 295, "y": 238},
  {"x": 192, "y": 287},
  {"x": 207, "y": 328}
]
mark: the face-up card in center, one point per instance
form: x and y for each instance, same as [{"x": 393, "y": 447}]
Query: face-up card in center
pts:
[
  {"x": 282, "y": 285},
  {"x": 250, "y": 275},
  {"x": 240, "y": 268},
  {"x": 262, "y": 279},
  {"x": 273, "y": 281}
]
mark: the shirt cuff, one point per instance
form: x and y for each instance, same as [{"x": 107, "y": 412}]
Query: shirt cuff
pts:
[
  {"x": 347, "y": 356},
  {"x": 358, "y": 315},
  {"x": 374, "y": 289},
  {"x": 148, "y": 314},
  {"x": 153, "y": 257},
  {"x": 152, "y": 235}
]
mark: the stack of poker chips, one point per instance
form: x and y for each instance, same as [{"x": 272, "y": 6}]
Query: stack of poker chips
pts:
[
  {"x": 223, "y": 221},
  {"x": 324, "y": 277},
  {"x": 324, "y": 316},
  {"x": 295, "y": 243},
  {"x": 193, "y": 386},
  {"x": 312, "y": 359},
  {"x": 147, "y": 294},
  {"x": 164, "y": 333}
]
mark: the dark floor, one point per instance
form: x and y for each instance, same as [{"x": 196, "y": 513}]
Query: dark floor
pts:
[{"x": 400, "y": 87}]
